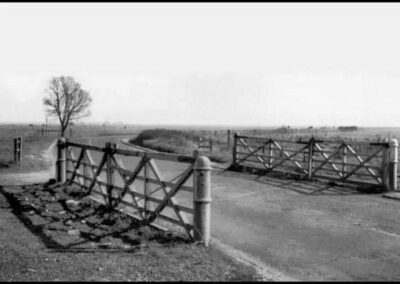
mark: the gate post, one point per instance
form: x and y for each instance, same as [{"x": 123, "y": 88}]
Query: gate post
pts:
[
  {"x": 110, "y": 175},
  {"x": 394, "y": 145},
  {"x": 61, "y": 170},
  {"x": 310, "y": 157},
  {"x": 201, "y": 199},
  {"x": 385, "y": 165},
  {"x": 234, "y": 152}
]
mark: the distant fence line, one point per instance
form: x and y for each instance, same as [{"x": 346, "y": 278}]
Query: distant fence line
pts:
[{"x": 354, "y": 162}]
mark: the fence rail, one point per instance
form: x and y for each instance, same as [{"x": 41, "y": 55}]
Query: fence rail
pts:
[
  {"x": 132, "y": 182},
  {"x": 361, "y": 162}
]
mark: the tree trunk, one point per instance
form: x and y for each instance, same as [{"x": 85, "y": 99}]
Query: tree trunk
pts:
[{"x": 63, "y": 128}]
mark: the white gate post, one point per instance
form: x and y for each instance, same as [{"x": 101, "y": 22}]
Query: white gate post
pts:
[
  {"x": 385, "y": 165},
  {"x": 201, "y": 199},
  {"x": 394, "y": 145}
]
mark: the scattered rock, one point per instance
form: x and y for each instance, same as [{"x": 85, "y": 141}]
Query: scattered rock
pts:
[
  {"x": 74, "y": 232},
  {"x": 72, "y": 202},
  {"x": 54, "y": 206},
  {"x": 68, "y": 222},
  {"x": 104, "y": 245},
  {"x": 31, "y": 212},
  {"x": 57, "y": 226},
  {"x": 37, "y": 220}
]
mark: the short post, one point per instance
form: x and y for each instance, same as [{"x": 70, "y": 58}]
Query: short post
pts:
[
  {"x": 15, "y": 151},
  {"x": 394, "y": 145},
  {"x": 61, "y": 170},
  {"x": 310, "y": 157},
  {"x": 210, "y": 142},
  {"x": 201, "y": 199},
  {"x": 229, "y": 137},
  {"x": 19, "y": 149}
]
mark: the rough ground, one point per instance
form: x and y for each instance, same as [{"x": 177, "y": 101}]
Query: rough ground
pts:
[{"x": 49, "y": 234}]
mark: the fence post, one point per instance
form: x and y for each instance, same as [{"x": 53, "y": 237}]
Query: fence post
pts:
[
  {"x": 394, "y": 145},
  {"x": 61, "y": 170},
  {"x": 15, "y": 150},
  {"x": 201, "y": 199},
  {"x": 210, "y": 142},
  {"x": 229, "y": 138},
  {"x": 19, "y": 149},
  {"x": 310, "y": 157},
  {"x": 234, "y": 152},
  {"x": 110, "y": 176}
]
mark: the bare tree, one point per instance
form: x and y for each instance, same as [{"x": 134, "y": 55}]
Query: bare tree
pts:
[{"x": 66, "y": 100}]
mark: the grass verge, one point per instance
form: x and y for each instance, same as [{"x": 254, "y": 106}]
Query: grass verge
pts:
[{"x": 180, "y": 142}]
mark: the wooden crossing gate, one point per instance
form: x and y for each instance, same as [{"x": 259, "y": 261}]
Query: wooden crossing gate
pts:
[
  {"x": 205, "y": 143},
  {"x": 354, "y": 162},
  {"x": 133, "y": 183}
]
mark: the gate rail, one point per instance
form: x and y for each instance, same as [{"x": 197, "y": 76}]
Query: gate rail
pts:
[
  {"x": 99, "y": 182},
  {"x": 353, "y": 162}
]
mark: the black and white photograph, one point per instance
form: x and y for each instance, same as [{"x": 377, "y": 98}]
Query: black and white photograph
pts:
[{"x": 199, "y": 141}]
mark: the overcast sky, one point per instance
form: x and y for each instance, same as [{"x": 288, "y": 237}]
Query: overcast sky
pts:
[{"x": 207, "y": 63}]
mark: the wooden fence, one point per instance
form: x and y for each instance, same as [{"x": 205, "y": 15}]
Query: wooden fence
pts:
[
  {"x": 355, "y": 162},
  {"x": 132, "y": 182}
]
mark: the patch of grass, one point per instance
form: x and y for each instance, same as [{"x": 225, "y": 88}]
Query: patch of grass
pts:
[{"x": 33, "y": 143}]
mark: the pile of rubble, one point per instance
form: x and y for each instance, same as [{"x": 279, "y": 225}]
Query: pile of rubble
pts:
[{"x": 66, "y": 220}]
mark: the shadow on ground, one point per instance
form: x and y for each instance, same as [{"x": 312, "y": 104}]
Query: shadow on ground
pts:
[
  {"x": 66, "y": 223},
  {"x": 300, "y": 185}
]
